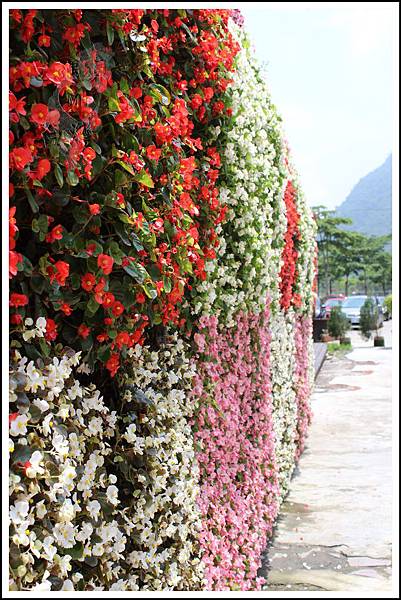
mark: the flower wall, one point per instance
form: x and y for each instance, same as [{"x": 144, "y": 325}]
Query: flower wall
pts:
[{"x": 161, "y": 265}]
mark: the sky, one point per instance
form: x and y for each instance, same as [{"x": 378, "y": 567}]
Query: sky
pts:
[{"x": 330, "y": 72}]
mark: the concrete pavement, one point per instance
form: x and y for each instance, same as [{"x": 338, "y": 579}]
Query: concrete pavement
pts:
[{"x": 335, "y": 528}]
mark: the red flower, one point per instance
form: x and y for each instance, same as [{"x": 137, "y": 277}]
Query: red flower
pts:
[
  {"x": 19, "y": 158},
  {"x": 44, "y": 40},
  {"x": 108, "y": 299},
  {"x": 14, "y": 258},
  {"x": 88, "y": 281},
  {"x": 55, "y": 234},
  {"x": 140, "y": 298},
  {"x": 53, "y": 117},
  {"x": 153, "y": 153},
  {"x": 42, "y": 169},
  {"x": 83, "y": 331},
  {"x": 196, "y": 101},
  {"x": 94, "y": 209},
  {"x": 17, "y": 105},
  {"x": 59, "y": 272},
  {"x": 90, "y": 248},
  {"x": 117, "y": 308},
  {"x": 66, "y": 308},
  {"x": 113, "y": 364},
  {"x": 39, "y": 114},
  {"x": 75, "y": 33},
  {"x": 105, "y": 263},
  {"x": 102, "y": 337},
  {"x": 51, "y": 330},
  {"x": 18, "y": 300},
  {"x": 123, "y": 339},
  {"x": 16, "y": 319}
]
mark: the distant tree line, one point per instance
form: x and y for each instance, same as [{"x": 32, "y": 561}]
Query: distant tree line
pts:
[{"x": 350, "y": 261}]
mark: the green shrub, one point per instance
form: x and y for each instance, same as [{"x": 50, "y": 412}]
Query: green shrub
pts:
[
  {"x": 369, "y": 318},
  {"x": 388, "y": 305},
  {"x": 338, "y": 323}
]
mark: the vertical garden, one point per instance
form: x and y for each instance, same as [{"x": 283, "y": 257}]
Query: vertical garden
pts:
[{"x": 161, "y": 290}]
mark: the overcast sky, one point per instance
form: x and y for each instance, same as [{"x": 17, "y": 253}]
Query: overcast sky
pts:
[{"x": 330, "y": 72}]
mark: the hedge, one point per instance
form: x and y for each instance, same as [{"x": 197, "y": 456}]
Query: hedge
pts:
[{"x": 162, "y": 281}]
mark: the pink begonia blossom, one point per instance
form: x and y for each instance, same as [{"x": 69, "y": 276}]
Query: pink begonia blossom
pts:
[
  {"x": 239, "y": 489},
  {"x": 303, "y": 334}
]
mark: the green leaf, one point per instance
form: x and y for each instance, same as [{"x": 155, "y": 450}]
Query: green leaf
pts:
[
  {"x": 137, "y": 271},
  {"x": 43, "y": 224},
  {"x": 110, "y": 33},
  {"x": 32, "y": 202},
  {"x": 72, "y": 178},
  {"x": 145, "y": 179},
  {"x": 37, "y": 283},
  {"x": 160, "y": 94},
  {"x": 124, "y": 87},
  {"x": 113, "y": 104},
  {"x": 150, "y": 291},
  {"x": 120, "y": 179},
  {"x": 126, "y": 167},
  {"x": 92, "y": 306},
  {"x": 76, "y": 552},
  {"x": 44, "y": 347},
  {"x": 167, "y": 284}
]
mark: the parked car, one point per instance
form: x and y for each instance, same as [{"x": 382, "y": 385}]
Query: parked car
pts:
[
  {"x": 380, "y": 302},
  {"x": 329, "y": 303},
  {"x": 351, "y": 307}
]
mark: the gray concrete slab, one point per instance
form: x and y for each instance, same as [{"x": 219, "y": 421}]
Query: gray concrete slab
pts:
[{"x": 335, "y": 528}]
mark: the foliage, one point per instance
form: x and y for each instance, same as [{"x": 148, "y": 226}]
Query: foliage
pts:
[
  {"x": 338, "y": 323},
  {"x": 113, "y": 171},
  {"x": 388, "y": 304},
  {"x": 343, "y": 253},
  {"x": 368, "y": 318}
]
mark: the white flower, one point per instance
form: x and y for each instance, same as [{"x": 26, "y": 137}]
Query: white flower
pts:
[
  {"x": 112, "y": 494},
  {"x": 93, "y": 507},
  {"x": 48, "y": 550},
  {"x": 64, "y": 534},
  {"x": 41, "y": 510},
  {"x": 19, "y": 511},
  {"x": 42, "y": 405},
  {"x": 67, "y": 586},
  {"x": 35, "y": 467},
  {"x": 18, "y": 425},
  {"x": 130, "y": 434},
  {"x": 10, "y": 445},
  {"x": 68, "y": 475}
]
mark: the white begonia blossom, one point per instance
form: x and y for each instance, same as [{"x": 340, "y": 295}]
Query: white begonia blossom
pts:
[
  {"x": 64, "y": 534},
  {"x": 130, "y": 434},
  {"x": 19, "y": 512},
  {"x": 35, "y": 467},
  {"x": 18, "y": 426},
  {"x": 112, "y": 494},
  {"x": 93, "y": 507}
]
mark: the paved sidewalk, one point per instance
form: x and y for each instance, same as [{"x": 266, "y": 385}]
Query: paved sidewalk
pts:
[{"x": 335, "y": 528}]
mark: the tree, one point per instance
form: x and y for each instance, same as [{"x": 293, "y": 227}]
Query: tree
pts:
[{"x": 329, "y": 238}]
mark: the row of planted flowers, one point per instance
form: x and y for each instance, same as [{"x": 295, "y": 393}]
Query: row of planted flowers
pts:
[{"x": 161, "y": 273}]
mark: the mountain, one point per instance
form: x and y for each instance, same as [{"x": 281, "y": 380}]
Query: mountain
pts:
[{"x": 369, "y": 202}]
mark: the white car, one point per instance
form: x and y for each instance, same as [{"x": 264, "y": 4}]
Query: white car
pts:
[{"x": 351, "y": 307}]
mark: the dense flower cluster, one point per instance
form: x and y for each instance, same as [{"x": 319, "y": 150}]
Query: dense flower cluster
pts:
[
  {"x": 234, "y": 432},
  {"x": 113, "y": 174},
  {"x": 248, "y": 262},
  {"x": 162, "y": 272}
]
